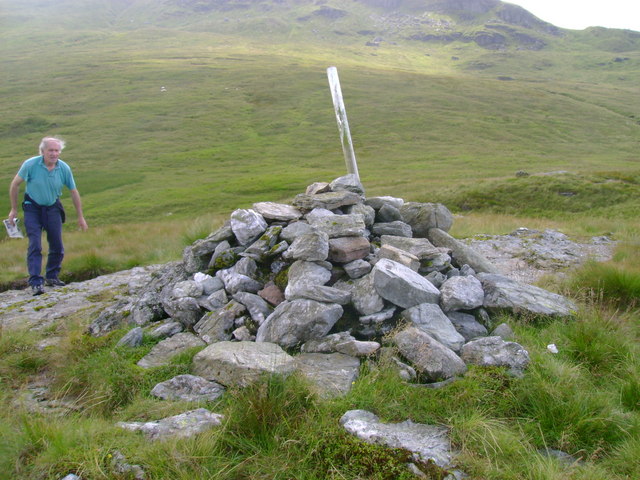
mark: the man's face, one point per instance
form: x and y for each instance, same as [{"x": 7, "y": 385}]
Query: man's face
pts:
[{"x": 51, "y": 152}]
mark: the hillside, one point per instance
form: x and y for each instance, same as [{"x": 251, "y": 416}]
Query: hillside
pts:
[{"x": 180, "y": 109}]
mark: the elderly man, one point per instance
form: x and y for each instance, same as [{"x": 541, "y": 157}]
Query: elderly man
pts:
[{"x": 45, "y": 175}]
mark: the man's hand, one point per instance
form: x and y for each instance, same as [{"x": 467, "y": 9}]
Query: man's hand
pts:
[
  {"x": 13, "y": 214},
  {"x": 82, "y": 223}
]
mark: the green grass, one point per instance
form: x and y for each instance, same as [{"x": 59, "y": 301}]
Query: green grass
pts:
[{"x": 582, "y": 400}]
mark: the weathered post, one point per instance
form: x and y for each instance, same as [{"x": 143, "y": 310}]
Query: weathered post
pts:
[{"x": 343, "y": 124}]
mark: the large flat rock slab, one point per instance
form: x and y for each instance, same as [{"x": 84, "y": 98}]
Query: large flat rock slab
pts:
[
  {"x": 20, "y": 309},
  {"x": 425, "y": 442}
]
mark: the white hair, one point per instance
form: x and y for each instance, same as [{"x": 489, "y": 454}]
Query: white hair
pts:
[{"x": 46, "y": 140}]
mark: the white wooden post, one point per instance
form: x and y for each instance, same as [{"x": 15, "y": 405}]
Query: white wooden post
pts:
[{"x": 343, "y": 123}]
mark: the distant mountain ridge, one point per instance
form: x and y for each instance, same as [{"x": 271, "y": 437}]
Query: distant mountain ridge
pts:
[{"x": 491, "y": 24}]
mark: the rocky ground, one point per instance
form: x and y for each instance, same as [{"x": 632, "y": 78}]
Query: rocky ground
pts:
[{"x": 524, "y": 255}]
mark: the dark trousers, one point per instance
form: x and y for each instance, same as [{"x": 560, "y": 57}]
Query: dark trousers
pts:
[{"x": 36, "y": 219}]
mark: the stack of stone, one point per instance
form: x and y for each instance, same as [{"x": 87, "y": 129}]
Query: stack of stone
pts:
[{"x": 333, "y": 277}]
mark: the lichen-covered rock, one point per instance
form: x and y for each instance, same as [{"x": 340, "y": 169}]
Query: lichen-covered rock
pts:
[
  {"x": 424, "y": 216},
  {"x": 502, "y": 293},
  {"x": 336, "y": 226},
  {"x": 329, "y": 200},
  {"x": 182, "y": 426},
  {"x": 217, "y": 325},
  {"x": 431, "y": 358},
  {"x": 277, "y": 211},
  {"x": 430, "y": 318},
  {"x": 188, "y": 388},
  {"x": 331, "y": 374},
  {"x": 312, "y": 247},
  {"x": 461, "y": 293},
  {"x": 247, "y": 225},
  {"x": 428, "y": 443},
  {"x": 494, "y": 351},
  {"x": 294, "y": 322},
  {"x": 402, "y": 286},
  {"x": 461, "y": 253},
  {"x": 162, "y": 352},
  {"x": 349, "y": 182},
  {"x": 242, "y": 363},
  {"x": 396, "y": 228}
]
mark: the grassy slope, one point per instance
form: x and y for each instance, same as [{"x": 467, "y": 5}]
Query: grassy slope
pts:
[
  {"x": 248, "y": 120},
  {"x": 241, "y": 122}
]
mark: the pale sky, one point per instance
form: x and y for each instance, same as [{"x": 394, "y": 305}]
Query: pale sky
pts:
[{"x": 580, "y": 14}]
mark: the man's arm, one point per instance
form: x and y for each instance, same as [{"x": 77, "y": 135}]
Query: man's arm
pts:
[
  {"x": 13, "y": 197},
  {"x": 77, "y": 203}
]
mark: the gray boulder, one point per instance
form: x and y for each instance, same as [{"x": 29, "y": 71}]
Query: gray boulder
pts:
[
  {"x": 461, "y": 293},
  {"x": 255, "y": 305},
  {"x": 242, "y": 363},
  {"x": 329, "y": 200},
  {"x": 321, "y": 293},
  {"x": 266, "y": 245},
  {"x": 162, "y": 352},
  {"x": 494, "y": 351},
  {"x": 215, "y": 300},
  {"x": 427, "y": 443},
  {"x": 188, "y": 388},
  {"x": 431, "y": 358},
  {"x": 206, "y": 246},
  {"x": 348, "y": 249},
  {"x": 217, "y": 325},
  {"x": 235, "y": 282},
  {"x": 467, "y": 325},
  {"x": 181, "y": 426},
  {"x": 378, "y": 202},
  {"x": 424, "y": 216},
  {"x": 388, "y": 213},
  {"x": 247, "y": 225},
  {"x": 185, "y": 310},
  {"x": 368, "y": 213},
  {"x": 145, "y": 309},
  {"x": 502, "y": 293},
  {"x": 341, "y": 342},
  {"x": 401, "y": 256},
  {"x": 364, "y": 296},
  {"x": 295, "y": 322},
  {"x": 339, "y": 225},
  {"x": 331, "y": 374},
  {"x": 304, "y": 274},
  {"x": 357, "y": 268},
  {"x": 349, "y": 182},
  {"x": 133, "y": 338},
  {"x": 277, "y": 211},
  {"x": 396, "y": 228},
  {"x": 402, "y": 286},
  {"x": 429, "y": 318},
  {"x": 312, "y": 247},
  {"x": 461, "y": 253},
  {"x": 294, "y": 230},
  {"x": 503, "y": 331},
  {"x": 208, "y": 283},
  {"x": 167, "y": 329}
]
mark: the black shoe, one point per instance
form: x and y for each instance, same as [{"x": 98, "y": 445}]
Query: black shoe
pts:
[
  {"x": 37, "y": 290},
  {"x": 54, "y": 282}
]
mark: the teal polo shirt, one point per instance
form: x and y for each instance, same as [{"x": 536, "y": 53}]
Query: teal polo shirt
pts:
[{"x": 45, "y": 186}]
